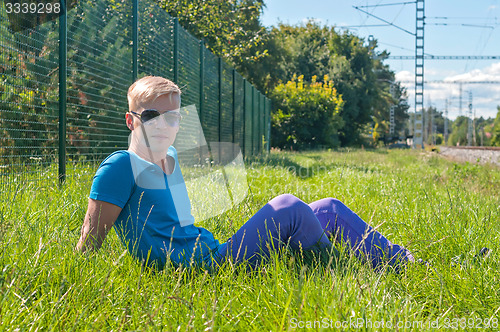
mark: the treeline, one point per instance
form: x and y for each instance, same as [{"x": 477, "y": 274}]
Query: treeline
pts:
[
  {"x": 485, "y": 132},
  {"x": 328, "y": 88}
]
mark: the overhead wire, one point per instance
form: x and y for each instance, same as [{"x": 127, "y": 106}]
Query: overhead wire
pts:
[
  {"x": 383, "y": 20},
  {"x": 464, "y": 25},
  {"x": 367, "y": 16},
  {"x": 456, "y": 18},
  {"x": 488, "y": 23},
  {"x": 400, "y": 11},
  {"x": 486, "y": 41}
]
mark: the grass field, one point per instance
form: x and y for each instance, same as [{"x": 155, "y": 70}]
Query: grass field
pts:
[{"x": 443, "y": 212}]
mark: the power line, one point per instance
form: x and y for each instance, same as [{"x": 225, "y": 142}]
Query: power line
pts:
[
  {"x": 437, "y": 24},
  {"x": 418, "y": 138},
  {"x": 381, "y": 19},
  {"x": 465, "y": 25},
  {"x": 420, "y": 56},
  {"x": 401, "y": 48},
  {"x": 458, "y": 18},
  {"x": 388, "y": 4},
  {"x": 452, "y": 82},
  {"x": 362, "y": 26},
  {"x": 446, "y": 57}
]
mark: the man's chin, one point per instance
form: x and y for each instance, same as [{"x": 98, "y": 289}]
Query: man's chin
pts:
[
  {"x": 153, "y": 148},
  {"x": 159, "y": 148}
]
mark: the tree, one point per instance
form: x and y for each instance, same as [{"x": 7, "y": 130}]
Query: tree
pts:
[
  {"x": 266, "y": 72},
  {"x": 306, "y": 47},
  {"x": 396, "y": 97},
  {"x": 484, "y": 128},
  {"x": 231, "y": 29},
  {"x": 308, "y": 114},
  {"x": 437, "y": 121},
  {"x": 458, "y": 134},
  {"x": 495, "y": 139},
  {"x": 352, "y": 70},
  {"x": 357, "y": 73}
]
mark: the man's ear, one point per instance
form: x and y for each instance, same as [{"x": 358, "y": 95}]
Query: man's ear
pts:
[{"x": 129, "y": 119}]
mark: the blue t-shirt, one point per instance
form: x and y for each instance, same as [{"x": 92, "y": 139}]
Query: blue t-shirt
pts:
[{"x": 156, "y": 220}]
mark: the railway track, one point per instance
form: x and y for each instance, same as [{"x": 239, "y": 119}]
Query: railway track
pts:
[
  {"x": 472, "y": 154},
  {"x": 493, "y": 148}
]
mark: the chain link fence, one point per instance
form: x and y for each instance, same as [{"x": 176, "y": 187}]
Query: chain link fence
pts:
[{"x": 65, "y": 80}]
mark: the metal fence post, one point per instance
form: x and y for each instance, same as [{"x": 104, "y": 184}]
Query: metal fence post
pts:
[
  {"x": 259, "y": 118},
  {"x": 135, "y": 38},
  {"x": 234, "y": 105},
  {"x": 244, "y": 116},
  {"x": 220, "y": 108},
  {"x": 264, "y": 122},
  {"x": 258, "y": 122},
  {"x": 63, "y": 52},
  {"x": 202, "y": 94},
  {"x": 234, "y": 109},
  {"x": 253, "y": 120},
  {"x": 202, "y": 79},
  {"x": 269, "y": 125},
  {"x": 176, "y": 50}
]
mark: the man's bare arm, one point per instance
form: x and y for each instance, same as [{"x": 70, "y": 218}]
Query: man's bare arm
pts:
[{"x": 99, "y": 219}]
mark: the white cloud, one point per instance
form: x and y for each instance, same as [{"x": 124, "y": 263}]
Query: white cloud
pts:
[
  {"x": 439, "y": 72},
  {"x": 404, "y": 75},
  {"x": 491, "y": 73}
]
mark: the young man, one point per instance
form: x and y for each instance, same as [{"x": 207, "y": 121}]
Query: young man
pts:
[{"x": 141, "y": 191}]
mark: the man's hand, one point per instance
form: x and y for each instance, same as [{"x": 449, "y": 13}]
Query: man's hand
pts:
[{"x": 99, "y": 219}]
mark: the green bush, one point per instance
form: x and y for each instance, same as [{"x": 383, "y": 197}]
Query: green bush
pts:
[{"x": 306, "y": 114}]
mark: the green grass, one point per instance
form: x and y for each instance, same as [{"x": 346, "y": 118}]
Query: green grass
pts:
[{"x": 437, "y": 209}]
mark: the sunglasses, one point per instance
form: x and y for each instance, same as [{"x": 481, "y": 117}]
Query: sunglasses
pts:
[{"x": 173, "y": 118}]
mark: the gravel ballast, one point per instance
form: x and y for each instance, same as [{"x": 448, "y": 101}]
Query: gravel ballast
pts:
[{"x": 472, "y": 155}]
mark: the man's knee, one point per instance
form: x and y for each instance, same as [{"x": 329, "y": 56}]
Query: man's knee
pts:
[
  {"x": 289, "y": 201},
  {"x": 329, "y": 204}
]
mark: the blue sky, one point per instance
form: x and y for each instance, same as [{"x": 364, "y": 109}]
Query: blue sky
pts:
[{"x": 456, "y": 27}]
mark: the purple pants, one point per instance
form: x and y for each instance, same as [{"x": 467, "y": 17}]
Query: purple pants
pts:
[{"x": 288, "y": 220}]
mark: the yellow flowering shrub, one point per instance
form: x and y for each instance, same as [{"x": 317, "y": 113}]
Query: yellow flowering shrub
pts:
[{"x": 307, "y": 114}]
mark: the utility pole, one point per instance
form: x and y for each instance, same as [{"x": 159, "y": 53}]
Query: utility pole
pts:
[
  {"x": 419, "y": 74},
  {"x": 392, "y": 110},
  {"x": 425, "y": 130},
  {"x": 431, "y": 115},
  {"x": 460, "y": 101},
  {"x": 470, "y": 127},
  {"x": 446, "y": 122},
  {"x": 474, "y": 128},
  {"x": 410, "y": 127},
  {"x": 418, "y": 120}
]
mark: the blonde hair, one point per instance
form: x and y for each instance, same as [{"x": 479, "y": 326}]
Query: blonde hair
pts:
[{"x": 145, "y": 90}]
